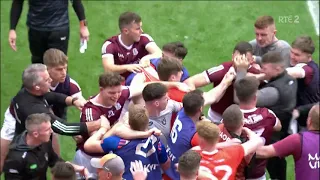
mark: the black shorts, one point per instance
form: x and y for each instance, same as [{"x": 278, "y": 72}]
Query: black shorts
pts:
[{"x": 40, "y": 41}]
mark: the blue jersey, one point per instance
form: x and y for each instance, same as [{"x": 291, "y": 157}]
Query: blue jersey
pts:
[
  {"x": 149, "y": 151},
  {"x": 179, "y": 142},
  {"x": 155, "y": 62}
]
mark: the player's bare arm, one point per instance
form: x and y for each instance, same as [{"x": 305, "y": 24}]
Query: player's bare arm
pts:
[
  {"x": 297, "y": 71},
  {"x": 277, "y": 126},
  {"x": 154, "y": 52},
  {"x": 198, "y": 80},
  {"x": 108, "y": 65},
  {"x": 265, "y": 152},
  {"x": 254, "y": 142},
  {"x": 215, "y": 94}
]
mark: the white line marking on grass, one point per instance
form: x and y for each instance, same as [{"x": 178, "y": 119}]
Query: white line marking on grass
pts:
[{"x": 313, "y": 7}]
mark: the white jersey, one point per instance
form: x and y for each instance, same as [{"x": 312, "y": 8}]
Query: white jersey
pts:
[{"x": 163, "y": 121}]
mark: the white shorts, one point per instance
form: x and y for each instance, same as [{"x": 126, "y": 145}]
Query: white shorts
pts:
[
  {"x": 214, "y": 116},
  {"x": 82, "y": 159},
  {"x": 8, "y": 127}
]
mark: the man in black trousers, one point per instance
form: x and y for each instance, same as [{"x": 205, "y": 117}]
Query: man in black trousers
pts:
[{"x": 48, "y": 25}]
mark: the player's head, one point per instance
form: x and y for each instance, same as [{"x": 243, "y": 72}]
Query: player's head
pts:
[
  {"x": 155, "y": 96},
  {"x": 109, "y": 167},
  {"x": 188, "y": 165},
  {"x": 130, "y": 25},
  {"x": 313, "y": 118},
  {"x": 245, "y": 48},
  {"x": 193, "y": 103},
  {"x": 138, "y": 117},
  {"x": 38, "y": 127},
  {"x": 232, "y": 118},
  {"x": 57, "y": 63},
  {"x": 110, "y": 87},
  {"x": 302, "y": 49},
  {"x": 208, "y": 134},
  {"x": 175, "y": 49},
  {"x": 272, "y": 64},
  {"x": 246, "y": 90},
  {"x": 36, "y": 79},
  {"x": 169, "y": 69},
  {"x": 63, "y": 171},
  {"x": 265, "y": 30}
]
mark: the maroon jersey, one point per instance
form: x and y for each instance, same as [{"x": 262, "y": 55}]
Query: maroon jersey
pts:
[
  {"x": 92, "y": 111},
  {"x": 215, "y": 76},
  {"x": 122, "y": 54},
  {"x": 261, "y": 121}
]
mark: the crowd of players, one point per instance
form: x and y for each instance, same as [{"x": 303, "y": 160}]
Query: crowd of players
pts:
[{"x": 147, "y": 120}]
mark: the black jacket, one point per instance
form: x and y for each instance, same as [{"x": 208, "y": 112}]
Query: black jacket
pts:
[
  {"x": 27, "y": 162},
  {"x": 25, "y": 104}
]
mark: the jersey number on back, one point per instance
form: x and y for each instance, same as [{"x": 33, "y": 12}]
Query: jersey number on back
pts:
[
  {"x": 216, "y": 169},
  {"x": 142, "y": 147},
  {"x": 177, "y": 126}
]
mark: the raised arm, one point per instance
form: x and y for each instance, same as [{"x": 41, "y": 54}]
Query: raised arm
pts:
[{"x": 215, "y": 94}]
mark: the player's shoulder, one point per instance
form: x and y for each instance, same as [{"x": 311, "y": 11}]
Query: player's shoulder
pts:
[
  {"x": 282, "y": 44},
  {"x": 145, "y": 36}
]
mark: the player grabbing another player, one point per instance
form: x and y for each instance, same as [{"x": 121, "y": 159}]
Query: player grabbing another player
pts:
[
  {"x": 215, "y": 75},
  {"x": 150, "y": 151},
  {"x": 122, "y": 53},
  {"x": 222, "y": 163},
  {"x": 304, "y": 147},
  {"x": 306, "y": 71},
  {"x": 260, "y": 120}
]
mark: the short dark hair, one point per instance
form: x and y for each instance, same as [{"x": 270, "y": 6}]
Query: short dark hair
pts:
[
  {"x": 264, "y": 22},
  {"x": 189, "y": 163},
  {"x": 63, "y": 171},
  {"x": 127, "y": 18},
  {"x": 176, "y": 48},
  {"x": 154, "y": 91},
  {"x": 243, "y": 47},
  {"x": 138, "y": 117},
  {"x": 110, "y": 79},
  {"x": 167, "y": 67},
  {"x": 192, "y": 102},
  {"x": 246, "y": 88},
  {"x": 272, "y": 57},
  {"x": 304, "y": 43},
  {"x": 232, "y": 118}
]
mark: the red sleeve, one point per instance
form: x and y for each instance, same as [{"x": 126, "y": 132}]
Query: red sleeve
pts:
[
  {"x": 145, "y": 39},
  {"x": 291, "y": 145},
  {"x": 107, "y": 48},
  {"x": 89, "y": 113},
  {"x": 216, "y": 74},
  {"x": 194, "y": 140},
  {"x": 74, "y": 87},
  {"x": 175, "y": 94},
  {"x": 308, "y": 74}
]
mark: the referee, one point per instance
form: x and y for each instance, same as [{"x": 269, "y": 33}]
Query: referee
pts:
[{"x": 48, "y": 25}]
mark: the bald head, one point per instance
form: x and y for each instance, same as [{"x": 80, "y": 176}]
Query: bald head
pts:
[{"x": 313, "y": 117}]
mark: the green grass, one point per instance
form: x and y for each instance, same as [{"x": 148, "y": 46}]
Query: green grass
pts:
[{"x": 212, "y": 29}]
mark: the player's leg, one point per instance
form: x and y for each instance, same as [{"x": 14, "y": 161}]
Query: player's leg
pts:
[{"x": 37, "y": 45}]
